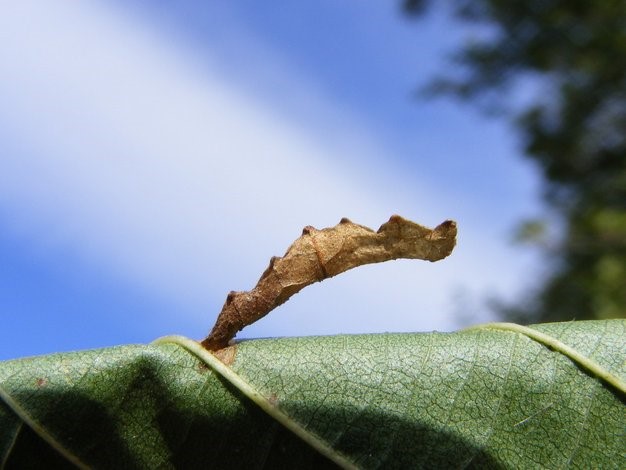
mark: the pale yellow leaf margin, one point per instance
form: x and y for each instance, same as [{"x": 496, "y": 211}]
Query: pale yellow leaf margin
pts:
[
  {"x": 222, "y": 369},
  {"x": 584, "y": 362},
  {"x": 37, "y": 428}
]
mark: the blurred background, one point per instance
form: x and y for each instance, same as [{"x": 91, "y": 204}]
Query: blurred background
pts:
[{"x": 155, "y": 155}]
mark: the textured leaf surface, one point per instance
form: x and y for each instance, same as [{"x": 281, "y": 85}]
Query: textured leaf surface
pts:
[{"x": 483, "y": 397}]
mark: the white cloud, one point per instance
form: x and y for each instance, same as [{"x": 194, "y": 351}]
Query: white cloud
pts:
[{"x": 165, "y": 173}]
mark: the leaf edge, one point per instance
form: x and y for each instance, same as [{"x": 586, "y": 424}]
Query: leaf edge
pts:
[
  {"x": 249, "y": 391},
  {"x": 27, "y": 420},
  {"x": 557, "y": 345}
]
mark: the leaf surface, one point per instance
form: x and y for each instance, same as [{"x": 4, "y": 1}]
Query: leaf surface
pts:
[{"x": 485, "y": 397}]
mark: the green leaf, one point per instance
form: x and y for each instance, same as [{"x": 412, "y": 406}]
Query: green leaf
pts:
[{"x": 499, "y": 395}]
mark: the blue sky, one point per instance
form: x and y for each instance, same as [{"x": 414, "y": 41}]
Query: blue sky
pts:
[{"x": 155, "y": 155}]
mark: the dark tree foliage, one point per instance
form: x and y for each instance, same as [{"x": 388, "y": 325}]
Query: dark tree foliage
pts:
[{"x": 575, "y": 130}]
